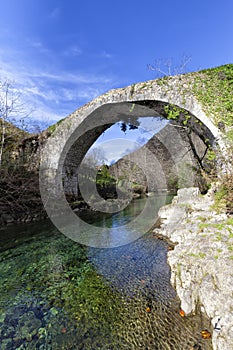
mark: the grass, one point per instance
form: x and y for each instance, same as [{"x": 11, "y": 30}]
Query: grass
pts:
[
  {"x": 53, "y": 127},
  {"x": 213, "y": 88},
  {"x": 201, "y": 218},
  {"x": 198, "y": 255},
  {"x": 202, "y": 226}
]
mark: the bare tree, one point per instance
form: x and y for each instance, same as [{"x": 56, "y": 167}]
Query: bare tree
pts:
[
  {"x": 95, "y": 157},
  {"x": 166, "y": 67},
  {"x": 19, "y": 185},
  {"x": 11, "y": 111}
]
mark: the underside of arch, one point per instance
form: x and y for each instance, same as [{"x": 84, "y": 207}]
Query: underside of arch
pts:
[{"x": 181, "y": 147}]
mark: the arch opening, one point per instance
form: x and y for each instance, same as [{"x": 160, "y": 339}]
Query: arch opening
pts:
[
  {"x": 181, "y": 146},
  {"x": 174, "y": 158}
]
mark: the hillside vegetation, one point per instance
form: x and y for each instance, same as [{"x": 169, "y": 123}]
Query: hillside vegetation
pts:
[{"x": 214, "y": 89}]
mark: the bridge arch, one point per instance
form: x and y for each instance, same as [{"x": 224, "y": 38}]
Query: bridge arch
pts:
[
  {"x": 72, "y": 138},
  {"x": 108, "y": 109}
]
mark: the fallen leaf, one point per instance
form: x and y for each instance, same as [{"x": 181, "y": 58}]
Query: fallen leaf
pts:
[
  {"x": 205, "y": 334},
  {"x": 182, "y": 313}
]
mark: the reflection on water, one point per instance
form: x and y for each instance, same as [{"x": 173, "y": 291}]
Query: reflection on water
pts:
[
  {"x": 103, "y": 230},
  {"x": 56, "y": 294}
]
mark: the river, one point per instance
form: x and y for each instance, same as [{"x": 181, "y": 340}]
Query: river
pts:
[{"x": 57, "y": 294}]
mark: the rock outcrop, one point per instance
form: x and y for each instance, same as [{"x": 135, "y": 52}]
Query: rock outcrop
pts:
[
  {"x": 202, "y": 261},
  {"x": 167, "y": 160}
]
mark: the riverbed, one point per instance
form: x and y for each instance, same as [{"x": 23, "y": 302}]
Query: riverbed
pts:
[{"x": 58, "y": 294}]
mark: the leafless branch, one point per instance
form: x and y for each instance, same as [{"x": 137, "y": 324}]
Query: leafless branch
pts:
[{"x": 167, "y": 67}]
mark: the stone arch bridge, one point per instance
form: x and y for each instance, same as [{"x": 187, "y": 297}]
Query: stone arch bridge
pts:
[
  {"x": 182, "y": 145},
  {"x": 75, "y": 134}
]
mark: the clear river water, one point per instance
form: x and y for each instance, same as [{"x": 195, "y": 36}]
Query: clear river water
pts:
[{"x": 60, "y": 295}]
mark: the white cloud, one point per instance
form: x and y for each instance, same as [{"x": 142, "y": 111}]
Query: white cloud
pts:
[
  {"x": 72, "y": 51},
  {"x": 89, "y": 93},
  {"x": 106, "y": 54},
  {"x": 39, "y": 46},
  {"x": 116, "y": 149},
  {"x": 35, "y": 91},
  {"x": 51, "y": 92},
  {"x": 72, "y": 78}
]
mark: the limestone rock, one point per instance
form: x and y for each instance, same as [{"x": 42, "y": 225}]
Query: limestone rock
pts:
[{"x": 201, "y": 264}]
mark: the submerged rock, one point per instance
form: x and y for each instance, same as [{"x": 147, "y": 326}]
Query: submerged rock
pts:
[
  {"x": 6, "y": 344},
  {"x": 28, "y": 326}
]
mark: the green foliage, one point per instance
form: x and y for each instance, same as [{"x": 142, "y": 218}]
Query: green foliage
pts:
[
  {"x": 143, "y": 86},
  {"x": 214, "y": 89},
  {"x": 173, "y": 183},
  {"x": 230, "y": 221},
  {"x": 211, "y": 155},
  {"x": 13, "y": 138},
  {"x": 224, "y": 195},
  {"x": 53, "y": 127},
  {"x": 201, "y": 218},
  {"x": 132, "y": 89},
  {"x": 103, "y": 177},
  {"x": 137, "y": 188},
  {"x": 198, "y": 255},
  {"x": 163, "y": 81},
  {"x": 172, "y": 112}
]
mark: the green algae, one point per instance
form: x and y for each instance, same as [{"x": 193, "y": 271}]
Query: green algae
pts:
[
  {"x": 57, "y": 294},
  {"x": 57, "y": 272}
]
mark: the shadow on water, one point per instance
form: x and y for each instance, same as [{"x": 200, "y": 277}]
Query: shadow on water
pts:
[{"x": 57, "y": 294}]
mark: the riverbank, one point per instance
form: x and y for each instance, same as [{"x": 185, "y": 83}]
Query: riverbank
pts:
[{"x": 202, "y": 260}]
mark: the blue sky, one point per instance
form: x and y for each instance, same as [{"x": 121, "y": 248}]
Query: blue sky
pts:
[
  {"x": 113, "y": 144},
  {"x": 62, "y": 54}
]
